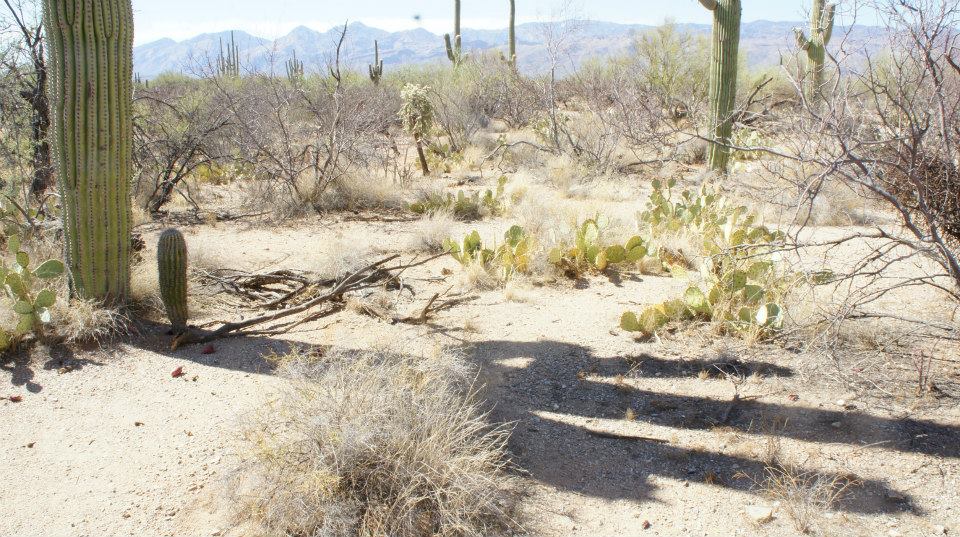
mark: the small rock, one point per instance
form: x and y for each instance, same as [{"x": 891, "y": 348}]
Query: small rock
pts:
[
  {"x": 939, "y": 530},
  {"x": 646, "y": 525},
  {"x": 836, "y": 425},
  {"x": 760, "y": 514}
]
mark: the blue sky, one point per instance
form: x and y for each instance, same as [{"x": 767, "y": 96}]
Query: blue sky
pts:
[{"x": 181, "y": 19}]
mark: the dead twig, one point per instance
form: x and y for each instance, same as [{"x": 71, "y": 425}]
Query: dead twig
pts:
[{"x": 373, "y": 273}]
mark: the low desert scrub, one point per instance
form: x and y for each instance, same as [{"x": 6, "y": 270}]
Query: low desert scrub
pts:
[
  {"x": 431, "y": 231},
  {"x": 803, "y": 495},
  {"x": 82, "y": 321},
  {"x": 360, "y": 192},
  {"x": 341, "y": 257},
  {"x": 373, "y": 443}
]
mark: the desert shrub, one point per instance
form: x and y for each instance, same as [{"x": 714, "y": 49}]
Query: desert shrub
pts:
[
  {"x": 432, "y": 231},
  {"x": 373, "y": 443},
  {"x": 178, "y": 130},
  {"x": 298, "y": 140},
  {"x": 673, "y": 64}
]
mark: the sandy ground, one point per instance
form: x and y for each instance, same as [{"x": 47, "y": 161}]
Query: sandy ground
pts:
[{"x": 107, "y": 442}]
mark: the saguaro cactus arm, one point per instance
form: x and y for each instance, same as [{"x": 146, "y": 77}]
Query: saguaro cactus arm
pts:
[
  {"x": 821, "y": 30},
  {"x": 454, "y": 45},
  {"x": 91, "y": 98},
  {"x": 826, "y": 22},
  {"x": 802, "y": 42}
]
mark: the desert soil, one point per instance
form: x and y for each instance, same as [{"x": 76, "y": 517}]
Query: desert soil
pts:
[{"x": 611, "y": 436}]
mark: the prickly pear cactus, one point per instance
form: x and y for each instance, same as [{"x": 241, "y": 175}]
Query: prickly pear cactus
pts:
[
  {"x": 91, "y": 96},
  {"x": 723, "y": 78},
  {"x": 172, "y": 266}
]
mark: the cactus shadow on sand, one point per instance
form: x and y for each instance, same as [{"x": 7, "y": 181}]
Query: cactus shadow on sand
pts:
[{"x": 562, "y": 381}]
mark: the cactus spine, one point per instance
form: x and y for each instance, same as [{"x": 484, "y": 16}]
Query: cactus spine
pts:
[
  {"x": 229, "y": 62},
  {"x": 454, "y": 47},
  {"x": 376, "y": 70},
  {"x": 172, "y": 266},
  {"x": 821, "y": 29},
  {"x": 91, "y": 89},
  {"x": 294, "y": 68},
  {"x": 512, "y": 59},
  {"x": 723, "y": 78}
]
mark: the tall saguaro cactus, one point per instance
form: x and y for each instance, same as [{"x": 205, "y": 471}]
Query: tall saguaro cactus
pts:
[
  {"x": 454, "y": 47},
  {"x": 723, "y": 78},
  {"x": 821, "y": 29},
  {"x": 228, "y": 64},
  {"x": 376, "y": 70},
  {"x": 294, "y": 68},
  {"x": 91, "y": 97},
  {"x": 513, "y": 34}
]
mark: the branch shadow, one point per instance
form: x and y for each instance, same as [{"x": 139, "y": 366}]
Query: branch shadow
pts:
[
  {"x": 246, "y": 353},
  {"x": 531, "y": 393}
]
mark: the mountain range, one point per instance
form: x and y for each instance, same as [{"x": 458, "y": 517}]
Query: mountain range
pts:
[{"x": 762, "y": 43}]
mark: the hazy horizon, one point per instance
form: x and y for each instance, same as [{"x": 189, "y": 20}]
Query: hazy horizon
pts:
[{"x": 157, "y": 19}]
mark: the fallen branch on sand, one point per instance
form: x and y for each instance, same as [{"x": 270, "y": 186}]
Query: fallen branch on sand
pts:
[{"x": 374, "y": 274}]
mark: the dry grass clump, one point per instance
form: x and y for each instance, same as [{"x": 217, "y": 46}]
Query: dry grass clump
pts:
[
  {"x": 342, "y": 256},
  {"x": 79, "y": 321},
  {"x": 431, "y": 231},
  {"x": 366, "y": 443},
  {"x": 803, "y": 495}
]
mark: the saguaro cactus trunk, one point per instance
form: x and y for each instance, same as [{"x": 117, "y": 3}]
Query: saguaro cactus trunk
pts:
[
  {"x": 513, "y": 34},
  {"x": 172, "y": 268},
  {"x": 91, "y": 87},
  {"x": 454, "y": 47},
  {"x": 821, "y": 30},
  {"x": 723, "y": 78}
]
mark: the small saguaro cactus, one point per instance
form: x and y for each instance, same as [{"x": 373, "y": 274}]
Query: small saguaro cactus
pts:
[
  {"x": 91, "y": 103},
  {"x": 821, "y": 29},
  {"x": 417, "y": 117},
  {"x": 172, "y": 267},
  {"x": 294, "y": 68},
  {"x": 723, "y": 78},
  {"x": 454, "y": 47},
  {"x": 376, "y": 70},
  {"x": 228, "y": 64}
]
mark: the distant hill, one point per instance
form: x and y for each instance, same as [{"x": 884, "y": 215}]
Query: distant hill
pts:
[{"x": 761, "y": 41}]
